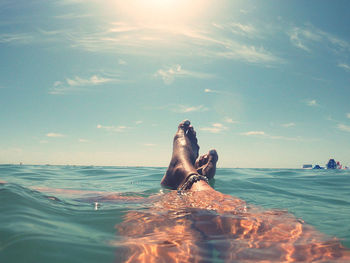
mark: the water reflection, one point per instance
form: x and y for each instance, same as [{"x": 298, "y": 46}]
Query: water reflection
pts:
[{"x": 201, "y": 226}]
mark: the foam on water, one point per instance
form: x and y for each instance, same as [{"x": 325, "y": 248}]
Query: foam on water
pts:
[{"x": 58, "y": 227}]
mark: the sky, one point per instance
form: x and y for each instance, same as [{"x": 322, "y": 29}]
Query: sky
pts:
[{"x": 88, "y": 82}]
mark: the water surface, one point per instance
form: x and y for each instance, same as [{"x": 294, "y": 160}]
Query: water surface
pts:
[{"x": 59, "y": 227}]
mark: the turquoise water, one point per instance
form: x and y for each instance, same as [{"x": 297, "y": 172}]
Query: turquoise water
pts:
[{"x": 70, "y": 227}]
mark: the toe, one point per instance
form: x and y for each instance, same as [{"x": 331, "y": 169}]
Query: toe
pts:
[
  {"x": 192, "y": 134},
  {"x": 183, "y": 126},
  {"x": 192, "y": 131},
  {"x": 213, "y": 155},
  {"x": 199, "y": 161}
]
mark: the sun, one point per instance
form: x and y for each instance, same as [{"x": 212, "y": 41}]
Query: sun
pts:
[{"x": 162, "y": 11}]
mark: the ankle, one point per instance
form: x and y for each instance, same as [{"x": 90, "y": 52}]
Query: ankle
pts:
[{"x": 200, "y": 186}]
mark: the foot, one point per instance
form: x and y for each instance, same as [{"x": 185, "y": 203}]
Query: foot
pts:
[
  {"x": 185, "y": 153},
  {"x": 206, "y": 164}
]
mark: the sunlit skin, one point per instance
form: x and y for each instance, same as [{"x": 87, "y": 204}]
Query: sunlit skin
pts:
[{"x": 201, "y": 223}]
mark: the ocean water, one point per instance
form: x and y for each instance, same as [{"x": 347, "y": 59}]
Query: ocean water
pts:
[{"x": 39, "y": 223}]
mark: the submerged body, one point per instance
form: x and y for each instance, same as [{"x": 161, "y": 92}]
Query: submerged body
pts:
[
  {"x": 199, "y": 226},
  {"x": 194, "y": 225}
]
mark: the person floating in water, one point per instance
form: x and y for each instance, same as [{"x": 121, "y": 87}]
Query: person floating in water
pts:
[{"x": 196, "y": 223}]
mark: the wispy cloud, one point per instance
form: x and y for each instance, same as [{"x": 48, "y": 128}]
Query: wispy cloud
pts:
[
  {"x": 168, "y": 75},
  {"x": 143, "y": 39},
  {"x": 71, "y": 84},
  {"x": 287, "y": 125},
  {"x": 296, "y": 40},
  {"x": 299, "y": 36},
  {"x": 305, "y": 37},
  {"x": 214, "y": 128},
  {"x": 54, "y": 135},
  {"x": 262, "y": 134},
  {"x": 122, "y": 62},
  {"x": 237, "y": 28},
  {"x": 348, "y": 115},
  {"x": 229, "y": 120},
  {"x": 211, "y": 91},
  {"x": 251, "y": 54},
  {"x": 138, "y": 122},
  {"x": 120, "y": 128},
  {"x": 343, "y": 127},
  {"x": 149, "y": 144},
  {"x": 93, "y": 80},
  {"x": 344, "y": 66},
  {"x": 187, "y": 109},
  {"x": 311, "y": 103},
  {"x": 82, "y": 140},
  {"x": 17, "y": 38},
  {"x": 69, "y": 2},
  {"x": 253, "y": 133},
  {"x": 72, "y": 16}
]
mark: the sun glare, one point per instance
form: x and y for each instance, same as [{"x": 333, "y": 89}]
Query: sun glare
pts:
[{"x": 162, "y": 11}]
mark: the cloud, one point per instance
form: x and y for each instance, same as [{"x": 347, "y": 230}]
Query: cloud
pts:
[
  {"x": 311, "y": 103},
  {"x": 243, "y": 11},
  {"x": 120, "y": 128},
  {"x": 70, "y": 2},
  {"x": 145, "y": 39},
  {"x": 82, "y": 140},
  {"x": 348, "y": 115},
  {"x": 121, "y": 62},
  {"x": 343, "y": 127},
  {"x": 169, "y": 75},
  {"x": 344, "y": 66},
  {"x": 287, "y": 125},
  {"x": 262, "y": 134},
  {"x": 246, "y": 30},
  {"x": 187, "y": 109},
  {"x": 211, "y": 91},
  {"x": 251, "y": 54},
  {"x": 18, "y": 38},
  {"x": 295, "y": 38},
  {"x": 253, "y": 133},
  {"x": 229, "y": 120},
  {"x": 239, "y": 28},
  {"x": 138, "y": 122},
  {"x": 72, "y": 16},
  {"x": 93, "y": 80},
  {"x": 309, "y": 35},
  {"x": 214, "y": 128},
  {"x": 73, "y": 84},
  {"x": 54, "y": 135},
  {"x": 149, "y": 144}
]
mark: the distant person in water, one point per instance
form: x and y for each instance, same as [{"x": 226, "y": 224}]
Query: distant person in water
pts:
[{"x": 196, "y": 223}]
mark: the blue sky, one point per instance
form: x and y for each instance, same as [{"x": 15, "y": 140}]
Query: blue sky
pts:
[{"x": 266, "y": 83}]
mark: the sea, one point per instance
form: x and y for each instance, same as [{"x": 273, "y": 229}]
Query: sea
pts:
[{"x": 40, "y": 222}]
